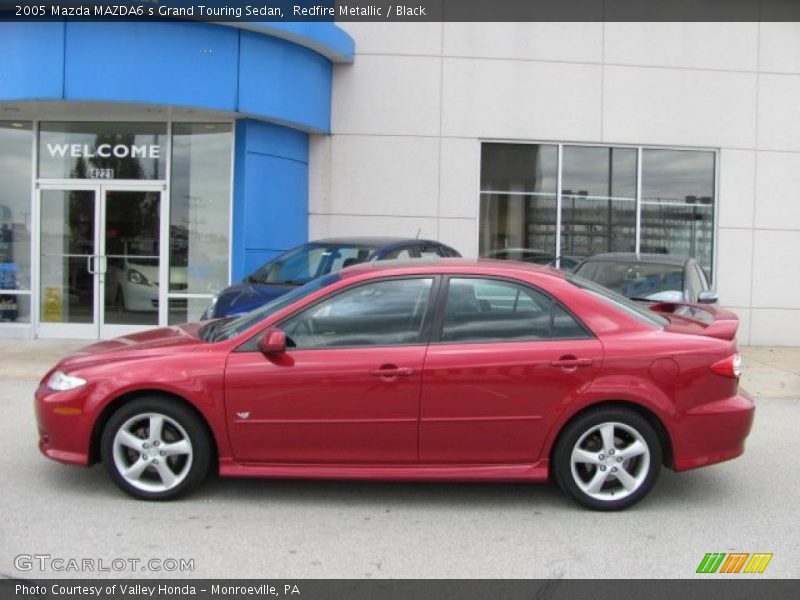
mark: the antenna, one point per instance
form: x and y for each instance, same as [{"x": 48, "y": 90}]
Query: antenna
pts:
[{"x": 416, "y": 237}]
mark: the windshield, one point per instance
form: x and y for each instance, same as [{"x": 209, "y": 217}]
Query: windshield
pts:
[
  {"x": 618, "y": 301},
  {"x": 224, "y": 329},
  {"x": 656, "y": 282},
  {"x": 311, "y": 260}
]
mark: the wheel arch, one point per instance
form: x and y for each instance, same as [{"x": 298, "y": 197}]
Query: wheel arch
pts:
[
  {"x": 651, "y": 417},
  {"x": 128, "y": 397}
]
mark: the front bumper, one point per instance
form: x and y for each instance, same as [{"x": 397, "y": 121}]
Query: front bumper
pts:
[
  {"x": 64, "y": 427},
  {"x": 713, "y": 432},
  {"x": 140, "y": 298}
]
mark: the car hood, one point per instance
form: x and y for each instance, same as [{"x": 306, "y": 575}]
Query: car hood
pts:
[
  {"x": 153, "y": 342},
  {"x": 244, "y": 297}
]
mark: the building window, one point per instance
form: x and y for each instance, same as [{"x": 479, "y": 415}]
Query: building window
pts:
[
  {"x": 594, "y": 189},
  {"x": 678, "y": 203},
  {"x": 200, "y": 200},
  {"x": 16, "y": 147},
  {"x": 519, "y": 185},
  {"x": 598, "y": 200}
]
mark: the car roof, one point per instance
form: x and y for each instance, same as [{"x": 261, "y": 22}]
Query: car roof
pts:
[
  {"x": 667, "y": 259},
  {"x": 378, "y": 241},
  {"x": 436, "y": 264}
]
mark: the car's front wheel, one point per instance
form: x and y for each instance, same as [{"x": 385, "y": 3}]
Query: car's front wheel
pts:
[
  {"x": 608, "y": 458},
  {"x": 155, "y": 448}
]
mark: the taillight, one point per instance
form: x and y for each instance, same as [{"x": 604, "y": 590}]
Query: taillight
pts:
[{"x": 729, "y": 367}]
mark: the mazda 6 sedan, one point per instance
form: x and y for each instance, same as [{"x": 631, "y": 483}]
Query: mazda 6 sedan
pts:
[{"x": 443, "y": 370}]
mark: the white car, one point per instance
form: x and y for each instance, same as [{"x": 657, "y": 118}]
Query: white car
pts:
[{"x": 132, "y": 282}]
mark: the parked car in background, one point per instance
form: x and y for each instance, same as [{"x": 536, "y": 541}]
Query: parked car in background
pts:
[
  {"x": 529, "y": 255},
  {"x": 299, "y": 265},
  {"x": 649, "y": 277},
  {"x": 566, "y": 262},
  {"x": 132, "y": 275},
  {"x": 441, "y": 370}
]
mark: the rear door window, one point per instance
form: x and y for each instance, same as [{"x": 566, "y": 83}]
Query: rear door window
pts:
[{"x": 486, "y": 310}]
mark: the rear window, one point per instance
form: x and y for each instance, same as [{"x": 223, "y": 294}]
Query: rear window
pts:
[
  {"x": 618, "y": 301},
  {"x": 640, "y": 280}
]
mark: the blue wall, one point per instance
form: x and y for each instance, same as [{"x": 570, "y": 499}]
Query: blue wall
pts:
[
  {"x": 177, "y": 63},
  {"x": 277, "y": 75},
  {"x": 270, "y": 193}
]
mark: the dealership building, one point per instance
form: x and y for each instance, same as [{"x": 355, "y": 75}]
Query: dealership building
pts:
[{"x": 145, "y": 166}]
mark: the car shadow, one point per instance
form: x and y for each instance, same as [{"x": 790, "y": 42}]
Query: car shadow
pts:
[
  {"x": 672, "y": 491},
  {"x": 367, "y": 494}
]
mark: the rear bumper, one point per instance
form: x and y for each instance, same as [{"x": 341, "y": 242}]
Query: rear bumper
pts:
[{"x": 713, "y": 432}]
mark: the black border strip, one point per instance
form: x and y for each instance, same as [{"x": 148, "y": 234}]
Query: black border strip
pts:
[{"x": 430, "y": 10}]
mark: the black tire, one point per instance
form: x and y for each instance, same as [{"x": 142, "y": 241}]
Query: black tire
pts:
[
  {"x": 628, "y": 427},
  {"x": 180, "y": 426}
]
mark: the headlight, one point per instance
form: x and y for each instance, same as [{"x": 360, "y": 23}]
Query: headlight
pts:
[
  {"x": 61, "y": 382},
  {"x": 135, "y": 277}
]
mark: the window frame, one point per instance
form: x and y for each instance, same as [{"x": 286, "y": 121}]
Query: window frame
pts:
[{"x": 441, "y": 304}]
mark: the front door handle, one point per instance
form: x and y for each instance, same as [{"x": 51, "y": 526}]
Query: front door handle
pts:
[
  {"x": 571, "y": 362},
  {"x": 392, "y": 371},
  {"x": 90, "y": 266}
]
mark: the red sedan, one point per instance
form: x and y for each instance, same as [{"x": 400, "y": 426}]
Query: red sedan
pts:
[{"x": 450, "y": 370}]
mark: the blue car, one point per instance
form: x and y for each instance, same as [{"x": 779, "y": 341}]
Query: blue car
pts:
[{"x": 314, "y": 259}]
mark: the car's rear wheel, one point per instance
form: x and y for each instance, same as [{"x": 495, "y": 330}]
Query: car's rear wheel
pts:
[
  {"x": 608, "y": 459},
  {"x": 155, "y": 448}
]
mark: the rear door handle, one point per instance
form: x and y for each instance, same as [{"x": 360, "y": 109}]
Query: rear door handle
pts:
[
  {"x": 392, "y": 371},
  {"x": 572, "y": 362}
]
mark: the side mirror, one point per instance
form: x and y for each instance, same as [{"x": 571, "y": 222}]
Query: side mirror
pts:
[
  {"x": 707, "y": 297},
  {"x": 272, "y": 341}
]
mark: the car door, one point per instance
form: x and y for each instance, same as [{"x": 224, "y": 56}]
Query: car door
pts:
[
  {"x": 507, "y": 356},
  {"x": 346, "y": 390}
]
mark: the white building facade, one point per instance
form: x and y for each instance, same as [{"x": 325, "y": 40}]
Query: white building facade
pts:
[{"x": 568, "y": 138}]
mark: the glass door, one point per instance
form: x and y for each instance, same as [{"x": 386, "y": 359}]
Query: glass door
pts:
[
  {"x": 130, "y": 265},
  {"x": 100, "y": 261},
  {"x": 67, "y": 286}
]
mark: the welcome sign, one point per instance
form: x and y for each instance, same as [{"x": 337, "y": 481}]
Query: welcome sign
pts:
[{"x": 102, "y": 150}]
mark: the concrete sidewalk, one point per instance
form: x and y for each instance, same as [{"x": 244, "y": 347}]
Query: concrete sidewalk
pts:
[{"x": 769, "y": 372}]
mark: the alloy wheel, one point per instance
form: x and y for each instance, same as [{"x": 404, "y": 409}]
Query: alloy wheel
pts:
[
  {"x": 610, "y": 461},
  {"x": 152, "y": 452}
]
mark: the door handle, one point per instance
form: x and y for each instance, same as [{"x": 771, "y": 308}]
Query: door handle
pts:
[
  {"x": 90, "y": 266},
  {"x": 571, "y": 362},
  {"x": 392, "y": 371}
]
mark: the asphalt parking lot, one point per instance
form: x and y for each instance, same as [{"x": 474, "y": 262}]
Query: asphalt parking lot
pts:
[{"x": 307, "y": 529}]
